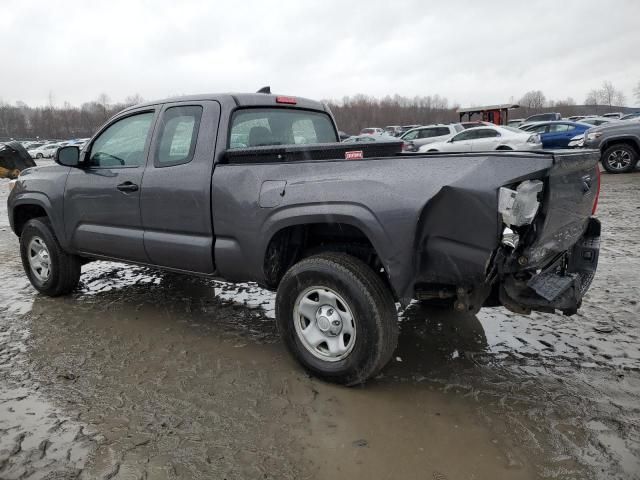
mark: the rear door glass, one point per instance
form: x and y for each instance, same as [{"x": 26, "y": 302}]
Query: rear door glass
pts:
[{"x": 256, "y": 127}]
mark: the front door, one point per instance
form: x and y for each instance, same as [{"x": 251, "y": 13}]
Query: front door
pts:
[
  {"x": 462, "y": 142},
  {"x": 102, "y": 199},
  {"x": 558, "y": 136},
  {"x": 486, "y": 139}
]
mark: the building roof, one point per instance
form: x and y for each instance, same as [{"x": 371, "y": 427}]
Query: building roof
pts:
[{"x": 504, "y": 106}]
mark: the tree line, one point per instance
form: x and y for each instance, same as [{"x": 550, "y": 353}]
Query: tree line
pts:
[{"x": 21, "y": 121}]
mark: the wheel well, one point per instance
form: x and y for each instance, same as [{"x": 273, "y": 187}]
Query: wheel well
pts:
[
  {"x": 625, "y": 141},
  {"x": 23, "y": 213},
  {"x": 291, "y": 244},
  {"x": 504, "y": 147}
]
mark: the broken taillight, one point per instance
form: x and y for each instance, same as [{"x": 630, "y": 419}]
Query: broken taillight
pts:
[{"x": 595, "y": 202}]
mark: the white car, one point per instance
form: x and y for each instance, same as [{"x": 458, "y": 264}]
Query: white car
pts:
[
  {"x": 417, "y": 137},
  {"x": 371, "y": 131},
  {"x": 595, "y": 121},
  {"x": 45, "y": 151},
  {"x": 483, "y": 139}
]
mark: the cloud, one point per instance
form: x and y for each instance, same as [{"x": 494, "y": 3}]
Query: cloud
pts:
[{"x": 470, "y": 52}]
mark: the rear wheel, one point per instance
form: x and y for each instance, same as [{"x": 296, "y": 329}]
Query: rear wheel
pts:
[
  {"x": 337, "y": 317},
  {"x": 619, "y": 158},
  {"x": 50, "y": 269},
  {"x": 504, "y": 147}
]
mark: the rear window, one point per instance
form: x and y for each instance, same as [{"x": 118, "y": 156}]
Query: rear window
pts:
[{"x": 256, "y": 127}]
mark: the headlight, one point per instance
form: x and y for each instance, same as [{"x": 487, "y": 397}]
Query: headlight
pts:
[
  {"x": 534, "y": 139},
  {"x": 519, "y": 207},
  {"x": 593, "y": 135}
]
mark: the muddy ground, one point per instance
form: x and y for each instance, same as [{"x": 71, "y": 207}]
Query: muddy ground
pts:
[{"x": 142, "y": 374}]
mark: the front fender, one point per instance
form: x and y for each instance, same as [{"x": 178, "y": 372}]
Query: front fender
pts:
[{"x": 18, "y": 199}]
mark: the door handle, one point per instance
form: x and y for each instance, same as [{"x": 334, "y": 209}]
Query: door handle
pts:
[{"x": 128, "y": 187}]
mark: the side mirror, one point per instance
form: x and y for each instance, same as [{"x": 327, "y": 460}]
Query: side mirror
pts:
[
  {"x": 68, "y": 156},
  {"x": 450, "y": 140}
]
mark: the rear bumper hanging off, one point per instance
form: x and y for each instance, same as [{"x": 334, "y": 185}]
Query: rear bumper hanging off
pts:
[{"x": 560, "y": 285}]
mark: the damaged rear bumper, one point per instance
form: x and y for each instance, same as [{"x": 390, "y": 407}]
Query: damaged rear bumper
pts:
[{"x": 561, "y": 284}]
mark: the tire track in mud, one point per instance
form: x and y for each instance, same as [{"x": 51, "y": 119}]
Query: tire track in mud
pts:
[{"x": 142, "y": 374}]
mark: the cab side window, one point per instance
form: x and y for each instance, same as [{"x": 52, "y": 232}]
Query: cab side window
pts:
[
  {"x": 122, "y": 143},
  {"x": 178, "y": 132}
]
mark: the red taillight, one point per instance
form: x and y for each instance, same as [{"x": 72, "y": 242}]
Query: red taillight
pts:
[
  {"x": 288, "y": 100},
  {"x": 595, "y": 202}
]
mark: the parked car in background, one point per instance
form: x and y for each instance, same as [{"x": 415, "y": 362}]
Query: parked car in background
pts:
[
  {"x": 371, "y": 131},
  {"x": 343, "y": 136},
  {"x": 576, "y": 118},
  {"x": 393, "y": 130},
  {"x": 616, "y": 115},
  {"x": 476, "y": 124},
  {"x": 371, "y": 138},
  {"x": 44, "y": 151},
  {"x": 595, "y": 120},
  {"x": 482, "y": 139},
  {"x": 576, "y": 142},
  {"x": 406, "y": 128},
  {"x": 32, "y": 145},
  {"x": 631, "y": 116},
  {"x": 619, "y": 145},
  {"x": 543, "y": 117},
  {"x": 416, "y": 138},
  {"x": 557, "y": 134},
  {"x": 516, "y": 122}
]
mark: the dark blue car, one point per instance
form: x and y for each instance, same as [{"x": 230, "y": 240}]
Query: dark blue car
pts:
[{"x": 557, "y": 134}]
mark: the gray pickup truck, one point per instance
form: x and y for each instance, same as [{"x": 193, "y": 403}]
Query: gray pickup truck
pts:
[
  {"x": 619, "y": 144},
  {"x": 255, "y": 187}
]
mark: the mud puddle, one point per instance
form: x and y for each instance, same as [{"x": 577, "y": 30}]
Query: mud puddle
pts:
[{"x": 142, "y": 374}]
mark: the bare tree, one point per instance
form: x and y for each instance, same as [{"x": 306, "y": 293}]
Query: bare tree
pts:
[
  {"x": 533, "y": 99},
  {"x": 133, "y": 99},
  {"x": 610, "y": 95}
]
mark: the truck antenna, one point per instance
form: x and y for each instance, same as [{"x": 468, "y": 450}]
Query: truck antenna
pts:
[{"x": 266, "y": 90}]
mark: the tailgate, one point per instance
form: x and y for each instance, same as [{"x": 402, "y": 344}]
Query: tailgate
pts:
[{"x": 571, "y": 190}]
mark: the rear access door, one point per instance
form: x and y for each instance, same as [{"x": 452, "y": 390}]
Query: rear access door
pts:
[{"x": 175, "y": 199}]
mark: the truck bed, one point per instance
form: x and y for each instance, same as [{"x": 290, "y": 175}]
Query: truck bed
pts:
[{"x": 432, "y": 218}]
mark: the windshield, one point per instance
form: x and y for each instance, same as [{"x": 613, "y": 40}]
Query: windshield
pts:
[{"x": 255, "y": 127}]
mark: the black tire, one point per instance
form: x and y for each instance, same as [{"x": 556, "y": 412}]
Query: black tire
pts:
[
  {"x": 504, "y": 147},
  {"x": 38, "y": 155},
  {"x": 619, "y": 158},
  {"x": 64, "y": 269},
  {"x": 367, "y": 297},
  {"x": 432, "y": 151}
]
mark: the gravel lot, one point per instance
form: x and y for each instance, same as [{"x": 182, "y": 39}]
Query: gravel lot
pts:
[{"x": 143, "y": 374}]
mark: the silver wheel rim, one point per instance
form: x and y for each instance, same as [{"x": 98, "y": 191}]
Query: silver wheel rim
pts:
[
  {"x": 619, "y": 159},
  {"x": 39, "y": 259},
  {"x": 324, "y": 324}
]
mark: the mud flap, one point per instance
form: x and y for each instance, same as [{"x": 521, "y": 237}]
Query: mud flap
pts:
[{"x": 559, "y": 286}]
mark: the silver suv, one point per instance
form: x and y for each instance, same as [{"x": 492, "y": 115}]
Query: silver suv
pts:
[{"x": 415, "y": 138}]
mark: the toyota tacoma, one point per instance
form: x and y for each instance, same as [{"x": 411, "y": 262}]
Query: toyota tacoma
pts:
[{"x": 256, "y": 187}]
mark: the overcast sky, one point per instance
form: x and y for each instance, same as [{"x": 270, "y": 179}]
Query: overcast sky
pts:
[{"x": 472, "y": 52}]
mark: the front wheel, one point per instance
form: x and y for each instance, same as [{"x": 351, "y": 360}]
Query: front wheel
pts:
[
  {"x": 619, "y": 159},
  {"x": 337, "y": 317},
  {"x": 50, "y": 269},
  {"x": 39, "y": 155}
]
